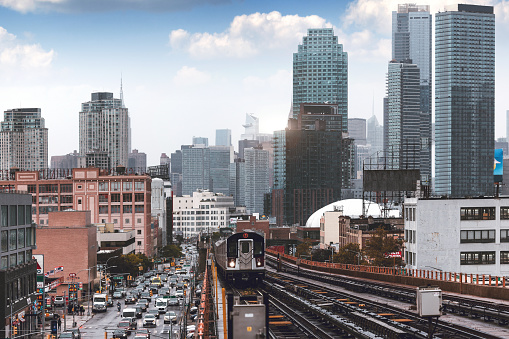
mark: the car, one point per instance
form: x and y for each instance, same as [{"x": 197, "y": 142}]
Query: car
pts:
[
  {"x": 139, "y": 312},
  {"x": 170, "y": 316},
  {"x": 155, "y": 312},
  {"x": 117, "y": 295},
  {"x": 109, "y": 302},
  {"x": 142, "y": 331},
  {"x": 198, "y": 292},
  {"x": 141, "y": 336},
  {"x": 179, "y": 293},
  {"x": 76, "y": 332},
  {"x": 146, "y": 295},
  {"x": 191, "y": 329},
  {"x": 67, "y": 334},
  {"x": 142, "y": 305},
  {"x": 173, "y": 300},
  {"x": 193, "y": 310},
  {"x": 164, "y": 291},
  {"x": 59, "y": 301},
  {"x": 128, "y": 324},
  {"x": 149, "y": 320},
  {"x": 130, "y": 299},
  {"x": 120, "y": 334},
  {"x": 147, "y": 302}
]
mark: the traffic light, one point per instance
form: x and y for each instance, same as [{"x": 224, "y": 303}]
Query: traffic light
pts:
[
  {"x": 14, "y": 330},
  {"x": 150, "y": 292},
  {"x": 185, "y": 292}
]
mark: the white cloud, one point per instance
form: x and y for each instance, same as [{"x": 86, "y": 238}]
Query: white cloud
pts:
[
  {"x": 28, "y": 5},
  {"x": 190, "y": 76},
  {"x": 248, "y": 35},
  {"x": 13, "y": 53}
]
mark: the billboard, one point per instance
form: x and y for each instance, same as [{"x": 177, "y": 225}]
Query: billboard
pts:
[
  {"x": 498, "y": 166},
  {"x": 40, "y": 263},
  {"x": 390, "y": 180}
]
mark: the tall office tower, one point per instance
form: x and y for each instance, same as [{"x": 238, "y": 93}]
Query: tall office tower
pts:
[
  {"x": 176, "y": 172},
  {"x": 403, "y": 148},
  {"x": 411, "y": 40},
  {"x": 318, "y": 162},
  {"x": 237, "y": 181},
  {"x": 137, "y": 161},
  {"x": 23, "y": 140},
  {"x": 245, "y": 143},
  {"x": 357, "y": 130},
  {"x": 165, "y": 160},
  {"x": 375, "y": 135},
  {"x": 251, "y": 127},
  {"x": 465, "y": 97},
  {"x": 195, "y": 169},
  {"x": 220, "y": 159},
  {"x": 223, "y": 137},
  {"x": 256, "y": 178},
  {"x": 105, "y": 127},
  {"x": 320, "y": 73},
  {"x": 201, "y": 141}
]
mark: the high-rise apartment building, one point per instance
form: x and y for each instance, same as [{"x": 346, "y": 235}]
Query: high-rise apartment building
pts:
[
  {"x": 464, "y": 100},
  {"x": 68, "y": 161},
  {"x": 105, "y": 128},
  {"x": 320, "y": 73},
  {"x": 403, "y": 148},
  {"x": 201, "y": 141},
  {"x": 223, "y": 137},
  {"x": 412, "y": 43},
  {"x": 23, "y": 140},
  {"x": 137, "y": 161},
  {"x": 220, "y": 159},
  {"x": 256, "y": 178},
  {"x": 195, "y": 169}
]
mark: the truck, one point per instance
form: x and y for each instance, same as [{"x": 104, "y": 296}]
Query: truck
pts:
[{"x": 100, "y": 302}]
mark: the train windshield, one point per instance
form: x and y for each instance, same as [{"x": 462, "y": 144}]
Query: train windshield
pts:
[
  {"x": 245, "y": 246},
  {"x": 258, "y": 248},
  {"x": 232, "y": 249}
]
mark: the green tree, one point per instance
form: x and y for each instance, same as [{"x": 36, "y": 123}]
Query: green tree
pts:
[
  {"x": 321, "y": 255},
  {"x": 303, "y": 249},
  {"x": 171, "y": 251},
  {"x": 349, "y": 254},
  {"x": 130, "y": 263},
  {"x": 379, "y": 245}
]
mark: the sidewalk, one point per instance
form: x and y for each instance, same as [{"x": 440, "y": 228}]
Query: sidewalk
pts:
[{"x": 67, "y": 323}]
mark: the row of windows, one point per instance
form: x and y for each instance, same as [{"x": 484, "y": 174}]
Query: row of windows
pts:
[
  {"x": 125, "y": 209},
  {"x": 15, "y": 259},
  {"x": 127, "y": 221},
  {"x": 126, "y": 197},
  {"x": 483, "y": 258},
  {"x": 14, "y": 215},
  {"x": 17, "y": 239},
  {"x": 50, "y": 188},
  {"x": 477, "y": 213},
  {"x": 125, "y": 185},
  {"x": 478, "y": 236}
]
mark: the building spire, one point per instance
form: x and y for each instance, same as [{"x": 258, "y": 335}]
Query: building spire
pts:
[{"x": 121, "y": 92}]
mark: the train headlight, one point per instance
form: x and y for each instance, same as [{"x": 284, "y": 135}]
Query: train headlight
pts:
[
  {"x": 259, "y": 262},
  {"x": 231, "y": 262}
]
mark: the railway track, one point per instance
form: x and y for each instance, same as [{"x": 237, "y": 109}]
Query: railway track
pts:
[
  {"x": 345, "y": 303},
  {"x": 461, "y": 305}
]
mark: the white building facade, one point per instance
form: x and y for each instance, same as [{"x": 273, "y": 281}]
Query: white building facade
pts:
[
  {"x": 458, "y": 235},
  {"x": 204, "y": 211}
]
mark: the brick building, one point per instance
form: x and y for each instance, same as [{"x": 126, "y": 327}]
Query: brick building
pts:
[
  {"x": 69, "y": 240},
  {"x": 123, "y": 200}
]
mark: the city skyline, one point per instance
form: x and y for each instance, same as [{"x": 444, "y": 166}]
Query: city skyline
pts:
[{"x": 54, "y": 54}]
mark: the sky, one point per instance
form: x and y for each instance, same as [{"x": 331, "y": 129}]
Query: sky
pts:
[{"x": 189, "y": 67}]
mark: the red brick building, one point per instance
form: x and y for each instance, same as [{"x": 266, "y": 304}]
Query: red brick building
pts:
[
  {"x": 69, "y": 240},
  {"x": 254, "y": 224},
  {"x": 123, "y": 200}
]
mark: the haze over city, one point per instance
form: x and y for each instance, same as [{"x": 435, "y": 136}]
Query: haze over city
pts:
[{"x": 191, "y": 67}]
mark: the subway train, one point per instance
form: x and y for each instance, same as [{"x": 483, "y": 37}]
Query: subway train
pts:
[{"x": 241, "y": 257}]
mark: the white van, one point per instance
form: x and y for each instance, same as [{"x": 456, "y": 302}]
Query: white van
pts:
[
  {"x": 161, "y": 305},
  {"x": 129, "y": 313}
]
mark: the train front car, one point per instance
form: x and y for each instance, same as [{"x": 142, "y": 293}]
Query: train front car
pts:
[{"x": 245, "y": 257}]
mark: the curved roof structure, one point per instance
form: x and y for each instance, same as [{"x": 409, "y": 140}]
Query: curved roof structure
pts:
[{"x": 351, "y": 208}]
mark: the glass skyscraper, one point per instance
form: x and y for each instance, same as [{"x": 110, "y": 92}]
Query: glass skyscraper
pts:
[
  {"x": 464, "y": 104},
  {"x": 320, "y": 73},
  {"x": 411, "y": 44}
]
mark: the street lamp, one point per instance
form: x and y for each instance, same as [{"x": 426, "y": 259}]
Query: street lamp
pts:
[
  {"x": 105, "y": 266},
  {"x": 358, "y": 256},
  {"x": 88, "y": 287}
]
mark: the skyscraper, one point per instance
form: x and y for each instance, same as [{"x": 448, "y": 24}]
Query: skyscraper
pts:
[
  {"x": 375, "y": 135},
  {"x": 320, "y": 73},
  {"x": 357, "y": 130},
  {"x": 256, "y": 178},
  {"x": 105, "y": 127},
  {"x": 137, "y": 161},
  {"x": 195, "y": 169},
  {"x": 223, "y": 137},
  {"x": 220, "y": 159},
  {"x": 403, "y": 130},
  {"x": 23, "y": 140},
  {"x": 464, "y": 104},
  {"x": 411, "y": 43}
]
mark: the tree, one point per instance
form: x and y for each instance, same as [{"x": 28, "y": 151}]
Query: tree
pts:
[
  {"x": 380, "y": 245},
  {"x": 130, "y": 263},
  {"x": 303, "y": 249},
  {"x": 349, "y": 254},
  {"x": 171, "y": 251},
  {"x": 321, "y": 255}
]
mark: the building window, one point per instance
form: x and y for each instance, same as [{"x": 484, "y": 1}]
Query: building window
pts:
[
  {"x": 115, "y": 197},
  {"x": 65, "y": 188},
  {"x": 128, "y": 208},
  {"x": 469, "y": 236},
  {"x": 5, "y": 241},
  {"x": 32, "y": 189},
  {"x": 21, "y": 238},
  {"x": 115, "y": 186},
  {"x": 67, "y": 199},
  {"x": 13, "y": 239},
  {"x": 115, "y": 221},
  {"x": 21, "y": 215},
  {"x": 127, "y": 197},
  {"x": 477, "y": 258},
  {"x": 504, "y": 235},
  {"x": 21, "y": 258},
  {"x": 127, "y": 221},
  {"x": 139, "y": 209},
  {"x": 5, "y": 263},
  {"x": 139, "y": 220},
  {"x": 504, "y": 257},
  {"x": 139, "y": 232},
  {"x": 115, "y": 209},
  {"x": 5, "y": 214},
  {"x": 13, "y": 260},
  {"x": 139, "y": 197},
  {"x": 139, "y": 243},
  {"x": 477, "y": 213},
  {"x": 127, "y": 186},
  {"x": 103, "y": 209},
  {"x": 13, "y": 213},
  {"x": 103, "y": 198},
  {"x": 103, "y": 186},
  {"x": 139, "y": 186},
  {"x": 504, "y": 213}
]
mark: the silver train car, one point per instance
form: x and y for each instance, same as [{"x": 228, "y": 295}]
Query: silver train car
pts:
[{"x": 241, "y": 257}]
